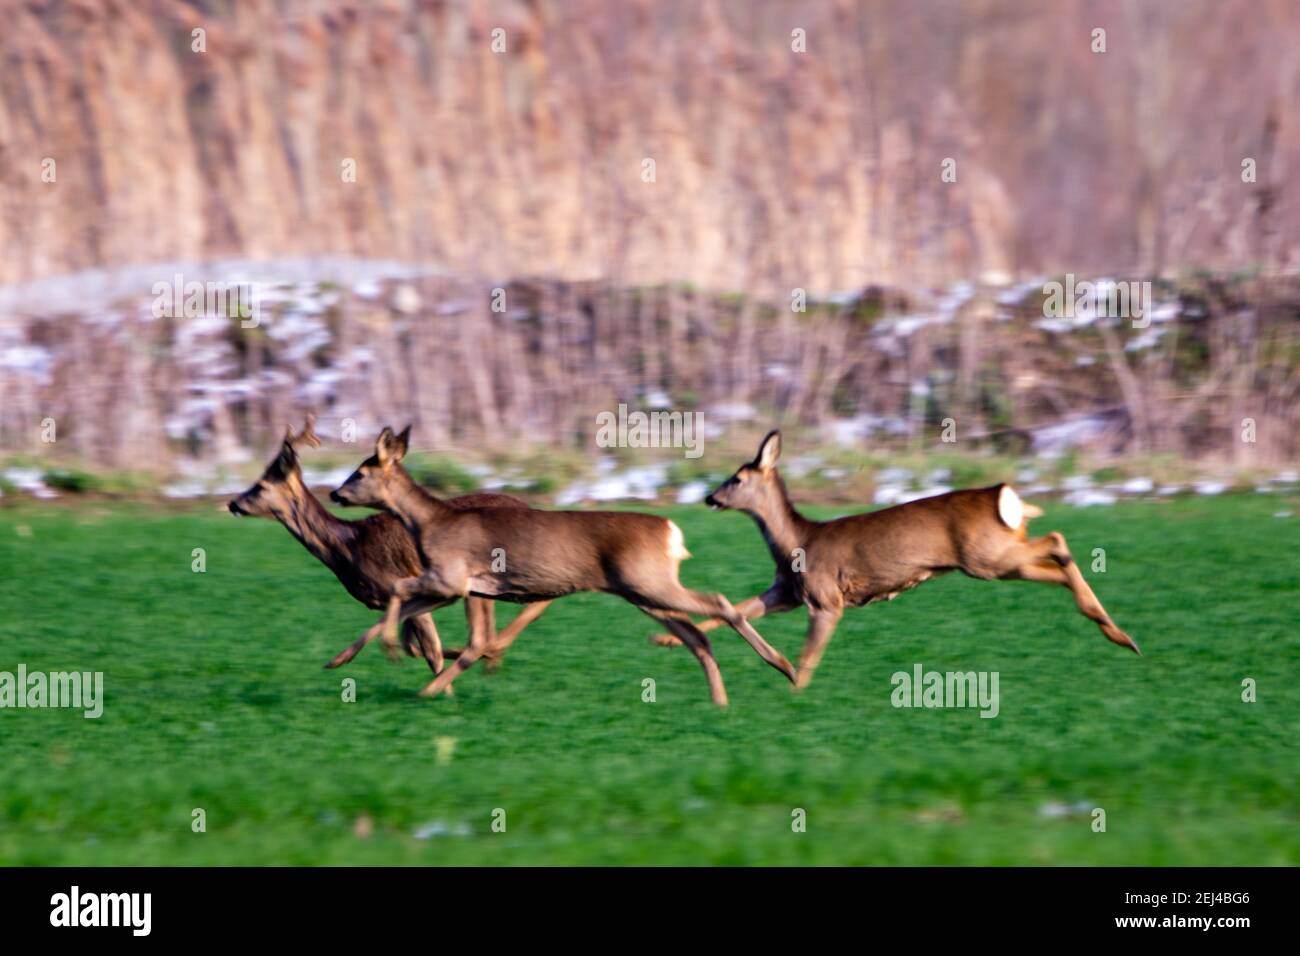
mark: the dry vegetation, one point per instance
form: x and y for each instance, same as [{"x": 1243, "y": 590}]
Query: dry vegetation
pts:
[
  {"x": 774, "y": 170},
  {"x": 883, "y": 370}
]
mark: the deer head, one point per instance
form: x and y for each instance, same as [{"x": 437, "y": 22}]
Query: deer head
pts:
[
  {"x": 755, "y": 487},
  {"x": 281, "y": 483},
  {"x": 370, "y": 484}
]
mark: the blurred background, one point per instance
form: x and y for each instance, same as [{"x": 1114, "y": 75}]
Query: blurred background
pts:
[{"x": 498, "y": 219}]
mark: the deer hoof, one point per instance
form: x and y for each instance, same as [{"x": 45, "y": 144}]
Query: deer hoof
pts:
[{"x": 1116, "y": 636}]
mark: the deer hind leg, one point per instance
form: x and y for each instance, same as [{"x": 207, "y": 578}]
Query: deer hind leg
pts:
[
  {"x": 674, "y": 597},
  {"x": 426, "y": 632},
  {"x": 412, "y": 643},
  {"x": 1048, "y": 559},
  {"x": 487, "y": 622},
  {"x": 693, "y": 638},
  {"x": 774, "y": 600},
  {"x": 405, "y": 610},
  {"x": 420, "y": 639},
  {"x": 480, "y": 615},
  {"x": 527, "y": 614},
  {"x": 821, "y": 626}
]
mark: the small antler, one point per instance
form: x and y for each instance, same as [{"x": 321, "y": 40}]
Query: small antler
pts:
[{"x": 308, "y": 434}]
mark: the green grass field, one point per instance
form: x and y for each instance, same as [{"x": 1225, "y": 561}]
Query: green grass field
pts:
[{"x": 216, "y": 699}]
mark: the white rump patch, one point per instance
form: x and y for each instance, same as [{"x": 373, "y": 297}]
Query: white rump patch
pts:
[
  {"x": 676, "y": 543},
  {"x": 1010, "y": 508}
]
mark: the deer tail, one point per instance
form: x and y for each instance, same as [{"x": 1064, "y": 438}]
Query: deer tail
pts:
[{"x": 1012, "y": 510}]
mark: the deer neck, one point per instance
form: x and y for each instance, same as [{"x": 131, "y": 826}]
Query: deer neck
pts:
[
  {"x": 327, "y": 537},
  {"x": 411, "y": 504},
  {"x": 783, "y": 528}
]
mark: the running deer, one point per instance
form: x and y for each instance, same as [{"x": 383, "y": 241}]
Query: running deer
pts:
[
  {"x": 369, "y": 556},
  {"x": 861, "y": 559},
  {"x": 530, "y": 555}
]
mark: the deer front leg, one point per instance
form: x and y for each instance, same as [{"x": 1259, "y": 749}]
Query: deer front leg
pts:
[
  {"x": 487, "y": 623},
  {"x": 355, "y": 647},
  {"x": 498, "y": 645},
  {"x": 775, "y": 600},
  {"x": 821, "y": 626},
  {"x": 765, "y": 650},
  {"x": 389, "y": 622},
  {"x": 352, "y": 650},
  {"x": 675, "y": 598},
  {"x": 478, "y": 643},
  {"x": 404, "y": 591},
  {"x": 480, "y": 615}
]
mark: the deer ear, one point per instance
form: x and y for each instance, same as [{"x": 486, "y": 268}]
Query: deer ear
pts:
[
  {"x": 384, "y": 445},
  {"x": 769, "y": 451},
  {"x": 287, "y": 460},
  {"x": 308, "y": 433},
  {"x": 390, "y": 447}
]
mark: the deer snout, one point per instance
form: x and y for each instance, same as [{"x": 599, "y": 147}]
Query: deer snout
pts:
[
  {"x": 234, "y": 508},
  {"x": 337, "y": 498}
]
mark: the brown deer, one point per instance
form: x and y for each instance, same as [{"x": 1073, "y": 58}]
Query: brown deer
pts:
[
  {"x": 531, "y": 555},
  {"x": 369, "y": 556},
  {"x": 864, "y": 558}
]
